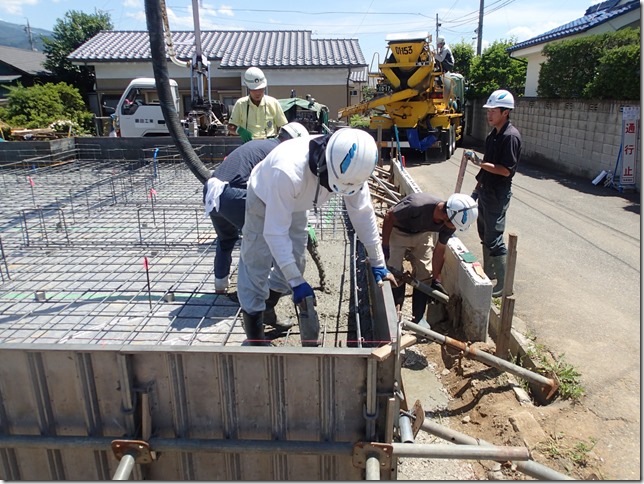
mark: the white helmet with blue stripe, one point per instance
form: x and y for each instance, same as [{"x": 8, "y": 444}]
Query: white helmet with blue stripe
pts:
[
  {"x": 351, "y": 156},
  {"x": 462, "y": 210}
]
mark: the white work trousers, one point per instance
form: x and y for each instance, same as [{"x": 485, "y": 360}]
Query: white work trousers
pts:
[
  {"x": 257, "y": 271},
  {"x": 419, "y": 249}
]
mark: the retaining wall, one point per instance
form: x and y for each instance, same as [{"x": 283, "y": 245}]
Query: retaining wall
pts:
[{"x": 579, "y": 137}]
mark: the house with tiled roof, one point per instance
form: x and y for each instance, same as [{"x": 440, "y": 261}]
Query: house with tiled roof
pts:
[
  {"x": 327, "y": 69},
  {"x": 20, "y": 66},
  {"x": 608, "y": 16}
]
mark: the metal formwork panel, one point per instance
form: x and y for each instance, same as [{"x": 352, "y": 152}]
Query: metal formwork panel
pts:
[{"x": 60, "y": 408}]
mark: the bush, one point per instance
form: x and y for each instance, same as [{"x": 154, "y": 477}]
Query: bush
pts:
[
  {"x": 40, "y": 106},
  {"x": 603, "y": 66}
]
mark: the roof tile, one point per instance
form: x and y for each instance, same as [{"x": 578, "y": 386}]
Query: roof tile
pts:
[
  {"x": 594, "y": 16},
  {"x": 235, "y": 49}
]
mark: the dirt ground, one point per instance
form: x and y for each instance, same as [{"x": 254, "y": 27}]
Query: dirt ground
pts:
[{"x": 484, "y": 403}]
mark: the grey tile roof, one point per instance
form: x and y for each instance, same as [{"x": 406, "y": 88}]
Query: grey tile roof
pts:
[
  {"x": 594, "y": 16},
  {"x": 235, "y": 49},
  {"x": 25, "y": 61},
  {"x": 359, "y": 76}
]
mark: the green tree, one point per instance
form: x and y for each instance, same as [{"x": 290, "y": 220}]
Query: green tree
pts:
[
  {"x": 602, "y": 66},
  {"x": 495, "y": 69},
  {"x": 463, "y": 56},
  {"x": 40, "y": 106},
  {"x": 70, "y": 33}
]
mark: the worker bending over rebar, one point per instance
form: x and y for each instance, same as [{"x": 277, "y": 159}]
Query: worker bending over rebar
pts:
[
  {"x": 299, "y": 175},
  {"x": 407, "y": 233}
]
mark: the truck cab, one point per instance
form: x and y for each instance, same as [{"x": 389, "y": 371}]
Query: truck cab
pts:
[{"x": 138, "y": 112}]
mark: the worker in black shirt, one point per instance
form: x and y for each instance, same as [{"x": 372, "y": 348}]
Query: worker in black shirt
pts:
[
  {"x": 494, "y": 183},
  {"x": 224, "y": 197},
  {"x": 407, "y": 232}
]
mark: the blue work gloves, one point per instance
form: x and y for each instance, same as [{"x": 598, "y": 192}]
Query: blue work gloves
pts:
[
  {"x": 379, "y": 273},
  {"x": 385, "y": 251},
  {"x": 301, "y": 292},
  {"x": 470, "y": 155},
  {"x": 244, "y": 134}
]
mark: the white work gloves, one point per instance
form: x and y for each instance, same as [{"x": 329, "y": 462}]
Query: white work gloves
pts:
[{"x": 471, "y": 156}]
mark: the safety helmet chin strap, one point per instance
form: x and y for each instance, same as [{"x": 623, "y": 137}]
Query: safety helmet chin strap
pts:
[{"x": 317, "y": 165}]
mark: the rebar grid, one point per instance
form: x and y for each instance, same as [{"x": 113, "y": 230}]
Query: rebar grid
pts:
[{"x": 74, "y": 267}]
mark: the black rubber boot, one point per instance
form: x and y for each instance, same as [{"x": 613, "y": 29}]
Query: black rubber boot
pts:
[
  {"x": 498, "y": 264},
  {"x": 487, "y": 263},
  {"x": 399, "y": 294},
  {"x": 254, "y": 329},
  {"x": 418, "y": 304},
  {"x": 270, "y": 317}
]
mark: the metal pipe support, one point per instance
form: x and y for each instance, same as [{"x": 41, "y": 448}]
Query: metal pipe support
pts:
[
  {"x": 550, "y": 385},
  {"x": 529, "y": 468},
  {"x": 447, "y": 451}
]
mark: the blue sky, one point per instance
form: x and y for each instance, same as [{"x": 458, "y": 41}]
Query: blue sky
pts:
[{"x": 367, "y": 20}]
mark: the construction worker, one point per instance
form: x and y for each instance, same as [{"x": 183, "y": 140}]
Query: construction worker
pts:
[
  {"x": 258, "y": 115},
  {"x": 407, "y": 233},
  {"x": 494, "y": 183},
  {"x": 225, "y": 200},
  {"x": 298, "y": 175},
  {"x": 443, "y": 56}
]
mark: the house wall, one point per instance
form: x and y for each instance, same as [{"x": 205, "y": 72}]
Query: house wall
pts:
[{"x": 579, "y": 137}]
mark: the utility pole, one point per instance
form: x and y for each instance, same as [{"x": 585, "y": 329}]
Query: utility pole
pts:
[
  {"x": 31, "y": 38},
  {"x": 437, "y": 25},
  {"x": 480, "y": 29}
]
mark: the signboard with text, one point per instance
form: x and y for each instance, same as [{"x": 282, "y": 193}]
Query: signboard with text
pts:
[{"x": 630, "y": 145}]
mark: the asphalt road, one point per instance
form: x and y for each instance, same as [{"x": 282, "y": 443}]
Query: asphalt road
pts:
[{"x": 577, "y": 282}]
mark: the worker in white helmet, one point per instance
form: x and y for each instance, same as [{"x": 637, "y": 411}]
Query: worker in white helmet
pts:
[
  {"x": 299, "y": 175},
  {"x": 407, "y": 232},
  {"x": 443, "y": 56},
  {"x": 225, "y": 202},
  {"x": 494, "y": 183},
  {"x": 257, "y": 115}
]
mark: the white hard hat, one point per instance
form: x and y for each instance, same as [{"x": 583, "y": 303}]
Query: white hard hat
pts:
[
  {"x": 292, "y": 130},
  {"x": 462, "y": 210},
  {"x": 351, "y": 156},
  {"x": 254, "y": 78},
  {"x": 500, "y": 99},
  {"x": 440, "y": 40}
]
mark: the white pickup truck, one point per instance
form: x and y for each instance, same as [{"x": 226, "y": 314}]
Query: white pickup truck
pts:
[{"x": 138, "y": 112}]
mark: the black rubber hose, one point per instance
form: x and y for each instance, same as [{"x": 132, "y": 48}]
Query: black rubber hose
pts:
[{"x": 159, "y": 65}]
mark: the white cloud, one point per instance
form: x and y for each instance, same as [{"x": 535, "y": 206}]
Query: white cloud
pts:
[
  {"x": 226, "y": 10},
  {"x": 14, "y": 7}
]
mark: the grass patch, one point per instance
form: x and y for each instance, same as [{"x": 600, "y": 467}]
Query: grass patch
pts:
[{"x": 570, "y": 387}]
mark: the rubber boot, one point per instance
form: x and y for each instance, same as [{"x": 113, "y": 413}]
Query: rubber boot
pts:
[
  {"x": 487, "y": 263},
  {"x": 418, "y": 304},
  {"x": 399, "y": 294},
  {"x": 254, "y": 329},
  {"x": 498, "y": 264},
  {"x": 270, "y": 317}
]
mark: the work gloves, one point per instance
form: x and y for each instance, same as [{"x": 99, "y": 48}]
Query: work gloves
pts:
[
  {"x": 244, "y": 134},
  {"x": 301, "y": 292},
  {"x": 437, "y": 286},
  {"x": 471, "y": 156},
  {"x": 380, "y": 273}
]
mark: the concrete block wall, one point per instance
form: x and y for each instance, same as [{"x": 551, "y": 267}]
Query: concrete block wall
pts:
[
  {"x": 579, "y": 137},
  {"x": 212, "y": 149},
  {"x": 459, "y": 278}
]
